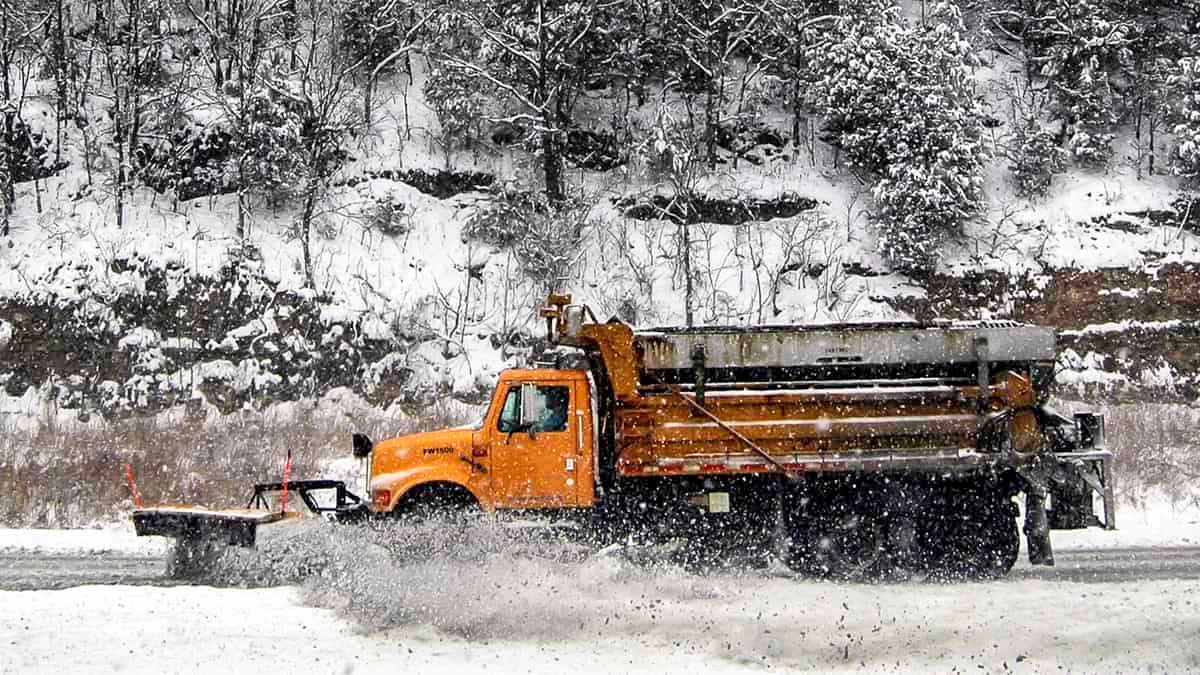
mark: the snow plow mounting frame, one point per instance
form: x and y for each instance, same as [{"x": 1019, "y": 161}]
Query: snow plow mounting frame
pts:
[{"x": 347, "y": 505}]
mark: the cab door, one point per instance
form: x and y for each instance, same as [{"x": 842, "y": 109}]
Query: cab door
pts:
[{"x": 535, "y": 458}]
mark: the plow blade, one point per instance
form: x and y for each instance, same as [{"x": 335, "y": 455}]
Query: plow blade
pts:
[
  {"x": 233, "y": 527},
  {"x": 239, "y": 527}
]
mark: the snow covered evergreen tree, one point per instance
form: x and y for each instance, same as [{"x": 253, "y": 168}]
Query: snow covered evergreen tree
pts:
[
  {"x": 267, "y": 144},
  {"x": 899, "y": 100},
  {"x": 1186, "y": 85},
  {"x": 373, "y": 29},
  {"x": 1082, "y": 45},
  {"x": 458, "y": 100}
]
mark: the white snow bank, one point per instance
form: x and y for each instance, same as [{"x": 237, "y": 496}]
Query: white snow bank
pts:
[
  {"x": 1156, "y": 521},
  {"x": 1124, "y": 326},
  {"x": 119, "y": 539}
]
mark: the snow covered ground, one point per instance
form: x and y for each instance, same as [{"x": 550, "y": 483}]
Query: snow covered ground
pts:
[
  {"x": 713, "y": 624},
  {"x": 556, "y": 611}
]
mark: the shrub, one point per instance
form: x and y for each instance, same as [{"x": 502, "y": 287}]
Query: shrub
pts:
[
  {"x": 457, "y": 99},
  {"x": 543, "y": 238},
  {"x": 1035, "y": 157}
]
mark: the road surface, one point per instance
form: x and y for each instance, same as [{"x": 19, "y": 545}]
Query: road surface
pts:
[
  {"x": 28, "y": 571},
  {"x": 1101, "y": 610}
]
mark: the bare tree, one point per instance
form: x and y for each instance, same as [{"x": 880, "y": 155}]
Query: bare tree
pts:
[
  {"x": 128, "y": 33},
  {"x": 674, "y": 151},
  {"x": 709, "y": 33},
  {"x": 409, "y": 41},
  {"x": 325, "y": 84},
  {"x": 19, "y": 52},
  {"x": 533, "y": 54},
  {"x": 239, "y": 42}
]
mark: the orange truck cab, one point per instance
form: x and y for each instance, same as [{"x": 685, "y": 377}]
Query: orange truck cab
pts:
[{"x": 535, "y": 449}]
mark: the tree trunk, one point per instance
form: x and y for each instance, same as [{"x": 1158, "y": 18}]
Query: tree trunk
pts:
[
  {"x": 5, "y": 187},
  {"x": 552, "y": 166},
  {"x": 551, "y": 163},
  {"x": 60, "y": 78},
  {"x": 1152, "y": 125},
  {"x": 133, "y": 79},
  {"x": 710, "y": 127},
  {"x": 10, "y": 163},
  {"x": 310, "y": 202},
  {"x": 242, "y": 207},
  {"x": 687, "y": 274},
  {"x": 289, "y": 30},
  {"x": 368, "y": 90},
  {"x": 1137, "y": 135},
  {"x": 119, "y": 136}
]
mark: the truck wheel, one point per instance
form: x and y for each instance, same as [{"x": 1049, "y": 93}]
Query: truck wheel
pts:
[
  {"x": 850, "y": 547},
  {"x": 980, "y": 547},
  {"x": 907, "y": 555},
  {"x": 436, "y": 501}
]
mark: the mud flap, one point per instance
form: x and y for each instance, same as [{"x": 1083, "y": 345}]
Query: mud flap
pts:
[{"x": 1037, "y": 522}]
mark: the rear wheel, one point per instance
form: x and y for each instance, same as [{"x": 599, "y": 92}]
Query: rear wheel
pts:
[
  {"x": 948, "y": 531},
  {"x": 981, "y": 544},
  {"x": 849, "y": 546}
]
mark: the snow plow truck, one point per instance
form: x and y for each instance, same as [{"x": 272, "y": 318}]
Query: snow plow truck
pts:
[{"x": 849, "y": 450}]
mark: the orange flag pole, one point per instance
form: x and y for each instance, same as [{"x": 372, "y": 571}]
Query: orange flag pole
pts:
[
  {"x": 287, "y": 472},
  {"x": 137, "y": 497}
]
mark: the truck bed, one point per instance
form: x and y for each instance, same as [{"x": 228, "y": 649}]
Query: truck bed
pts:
[{"x": 935, "y": 426}]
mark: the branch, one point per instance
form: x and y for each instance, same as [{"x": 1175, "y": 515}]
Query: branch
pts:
[
  {"x": 491, "y": 35},
  {"x": 408, "y": 45},
  {"x": 478, "y": 71}
]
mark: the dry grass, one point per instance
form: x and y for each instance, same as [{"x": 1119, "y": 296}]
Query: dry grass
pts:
[
  {"x": 1156, "y": 447},
  {"x": 77, "y": 478}
]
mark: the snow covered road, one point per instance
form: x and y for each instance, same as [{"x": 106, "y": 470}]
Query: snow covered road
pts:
[
  {"x": 34, "y": 571},
  {"x": 700, "y": 624},
  {"x": 1118, "y": 602}
]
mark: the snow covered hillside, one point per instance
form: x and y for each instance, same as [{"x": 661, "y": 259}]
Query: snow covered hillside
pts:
[{"x": 213, "y": 252}]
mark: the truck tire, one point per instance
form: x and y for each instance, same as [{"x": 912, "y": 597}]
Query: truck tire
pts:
[
  {"x": 980, "y": 546},
  {"x": 440, "y": 501},
  {"x": 849, "y": 546}
]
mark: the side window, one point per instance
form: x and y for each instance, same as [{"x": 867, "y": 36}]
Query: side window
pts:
[
  {"x": 549, "y": 409},
  {"x": 553, "y": 415},
  {"x": 510, "y": 414}
]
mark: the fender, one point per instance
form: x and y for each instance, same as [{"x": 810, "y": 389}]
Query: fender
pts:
[{"x": 400, "y": 483}]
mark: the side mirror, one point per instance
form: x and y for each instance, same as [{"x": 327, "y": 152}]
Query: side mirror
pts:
[{"x": 362, "y": 445}]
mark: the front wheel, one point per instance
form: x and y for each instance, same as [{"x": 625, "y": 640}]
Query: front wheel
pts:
[{"x": 436, "y": 501}]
